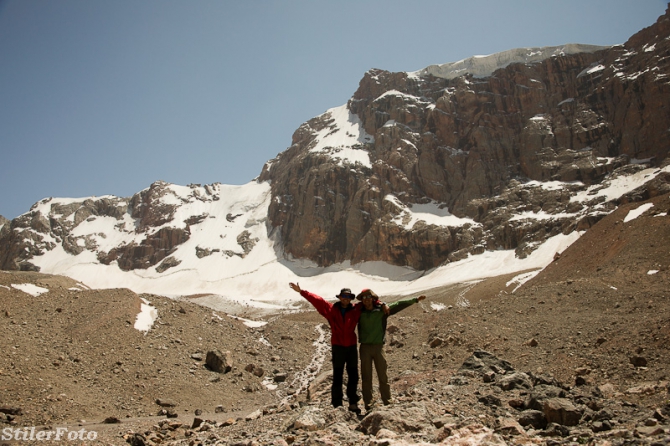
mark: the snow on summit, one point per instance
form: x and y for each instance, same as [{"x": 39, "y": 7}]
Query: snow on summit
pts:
[{"x": 483, "y": 66}]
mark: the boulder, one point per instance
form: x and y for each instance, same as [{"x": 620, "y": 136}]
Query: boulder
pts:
[
  {"x": 534, "y": 418},
  {"x": 561, "y": 411},
  {"x": 219, "y": 362},
  {"x": 482, "y": 362}
]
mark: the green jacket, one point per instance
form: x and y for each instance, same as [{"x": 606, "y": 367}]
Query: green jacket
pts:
[{"x": 372, "y": 324}]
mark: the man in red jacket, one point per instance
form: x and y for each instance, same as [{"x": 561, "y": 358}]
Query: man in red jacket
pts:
[{"x": 343, "y": 319}]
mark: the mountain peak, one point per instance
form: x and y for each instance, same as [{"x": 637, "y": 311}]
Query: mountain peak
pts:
[{"x": 483, "y": 66}]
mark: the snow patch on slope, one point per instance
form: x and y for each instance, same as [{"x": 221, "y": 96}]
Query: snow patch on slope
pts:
[{"x": 342, "y": 137}]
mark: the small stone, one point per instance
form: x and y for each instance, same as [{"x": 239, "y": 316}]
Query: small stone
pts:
[
  {"x": 254, "y": 415},
  {"x": 436, "y": 342},
  {"x": 650, "y": 431},
  {"x": 638, "y": 361},
  {"x": 165, "y": 402},
  {"x": 280, "y": 377},
  {"x": 509, "y": 426}
]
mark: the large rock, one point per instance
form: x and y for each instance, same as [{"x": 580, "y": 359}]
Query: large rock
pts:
[
  {"x": 561, "y": 411},
  {"x": 413, "y": 418},
  {"x": 482, "y": 362},
  {"x": 541, "y": 393},
  {"x": 219, "y": 362}
]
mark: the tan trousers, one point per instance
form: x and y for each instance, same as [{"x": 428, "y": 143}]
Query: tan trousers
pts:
[{"x": 369, "y": 354}]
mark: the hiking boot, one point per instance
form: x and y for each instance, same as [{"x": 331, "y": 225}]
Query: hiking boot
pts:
[{"x": 354, "y": 408}]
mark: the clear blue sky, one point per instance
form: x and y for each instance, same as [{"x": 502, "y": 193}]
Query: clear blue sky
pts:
[{"x": 105, "y": 97}]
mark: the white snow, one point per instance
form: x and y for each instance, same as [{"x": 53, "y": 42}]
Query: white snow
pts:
[
  {"x": 592, "y": 69},
  {"x": 634, "y": 213},
  {"x": 651, "y": 272},
  {"x": 551, "y": 185},
  {"x": 405, "y": 97},
  {"x": 566, "y": 101},
  {"x": 338, "y": 138},
  {"x": 483, "y": 66},
  {"x": 530, "y": 215},
  {"x": 437, "y": 306},
  {"x": 304, "y": 377},
  {"x": 617, "y": 187},
  {"x": 146, "y": 317},
  {"x": 30, "y": 288},
  {"x": 521, "y": 279},
  {"x": 249, "y": 322},
  {"x": 431, "y": 213}
]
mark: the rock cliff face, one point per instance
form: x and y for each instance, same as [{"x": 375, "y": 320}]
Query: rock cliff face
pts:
[{"x": 469, "y": 146}]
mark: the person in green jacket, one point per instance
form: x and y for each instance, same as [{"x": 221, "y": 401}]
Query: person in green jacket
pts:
[{"x": 371, "y": 335}]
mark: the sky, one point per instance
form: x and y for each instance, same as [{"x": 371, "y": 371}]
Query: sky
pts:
[{"x": 104, "y": 98}]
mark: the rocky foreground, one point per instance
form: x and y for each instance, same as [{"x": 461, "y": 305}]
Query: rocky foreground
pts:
[
  {"x": 486, "y": 401},
  {"x": 577, "y": 355}
]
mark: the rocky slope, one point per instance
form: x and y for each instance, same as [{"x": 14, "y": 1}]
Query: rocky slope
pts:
[{"x": 577, "y": 355}]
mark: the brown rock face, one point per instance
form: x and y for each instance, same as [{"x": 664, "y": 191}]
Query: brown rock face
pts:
[
  {"x": 151, "y": 251},
  {"x": 469, "y": 144}
]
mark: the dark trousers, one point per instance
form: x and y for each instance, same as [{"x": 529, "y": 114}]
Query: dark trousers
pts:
[{"x": 345, "y": 357}]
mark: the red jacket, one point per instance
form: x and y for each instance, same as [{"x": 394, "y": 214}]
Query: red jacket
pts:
[{"x": 342, "y": 329}]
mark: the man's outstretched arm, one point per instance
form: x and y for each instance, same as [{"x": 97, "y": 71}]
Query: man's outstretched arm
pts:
[
  {"x": 400, "y": 305},
  {"x": 321, "y": 305}
]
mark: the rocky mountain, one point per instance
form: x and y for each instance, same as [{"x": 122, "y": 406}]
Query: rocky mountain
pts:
[
  {"x": 417, "y": 170},
  {"x": 472, "y": 141}
]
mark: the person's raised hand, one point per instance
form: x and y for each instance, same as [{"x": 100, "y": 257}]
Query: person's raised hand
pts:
[{"x": 295, "y": 287}]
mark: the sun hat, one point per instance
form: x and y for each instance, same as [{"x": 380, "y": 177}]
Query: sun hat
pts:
[
  {"x": 346, "y": 293},
  {"x": 367, "y": 292}
]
